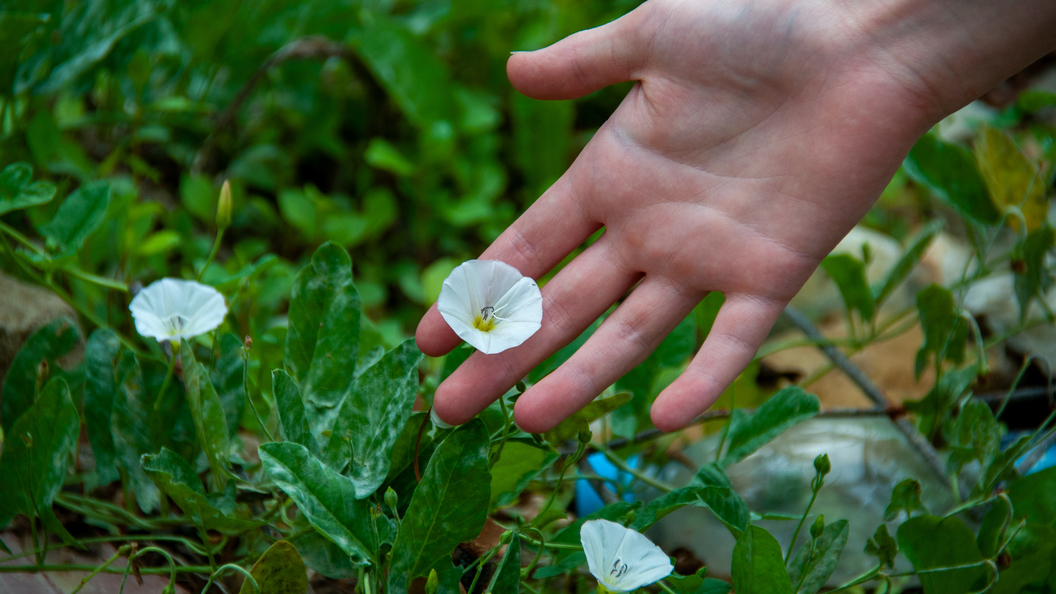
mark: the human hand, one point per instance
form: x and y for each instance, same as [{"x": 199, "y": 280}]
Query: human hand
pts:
[{"x": 756, "y": 137}]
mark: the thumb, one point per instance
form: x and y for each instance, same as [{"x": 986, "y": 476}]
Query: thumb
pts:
[{"x": 580, "y": 63}]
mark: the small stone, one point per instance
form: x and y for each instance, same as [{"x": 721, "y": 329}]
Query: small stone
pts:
[{"x": 23, "y": 309}]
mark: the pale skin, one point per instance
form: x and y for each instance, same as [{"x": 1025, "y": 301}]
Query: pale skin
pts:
[{"x": 758, "y": 134}]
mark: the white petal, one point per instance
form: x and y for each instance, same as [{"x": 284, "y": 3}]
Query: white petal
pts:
[
  {"x": 201, "y": 308},
  {"x": 476, "y": 284},
  {"x": 607, "y": 543}
]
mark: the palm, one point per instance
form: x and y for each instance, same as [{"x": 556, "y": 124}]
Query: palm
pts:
[{"x": 743, "y": 155}]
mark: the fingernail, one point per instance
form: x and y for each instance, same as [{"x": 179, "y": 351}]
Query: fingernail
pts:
[
  {"x": 520, "y": 52},
  {"x": 438, "y": 421}
]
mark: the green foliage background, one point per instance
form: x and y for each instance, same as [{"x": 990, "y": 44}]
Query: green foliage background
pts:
[{"x": 372, "y": 145}]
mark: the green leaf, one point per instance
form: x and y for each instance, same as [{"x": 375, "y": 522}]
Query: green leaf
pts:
[
  {"x": 323, "y": 556},
  {"x": 100, "y": 389},
  {"x": 1010, "y": 178},
  {"x": 725, "y": 503},
  {"x": 518, "y": 464},
  {"x": 14, "y": 27},
  {"x": 1035, "y": 280},
  {"x": 131, "y": 421},
  {"x": 507, "y": 578},
  {"x": 905, "y": 496},
  {"x": 974, "y": 435},
  {"x": 758, "y": 567},
  {"x": 644, "y": 381},
  {"x": 849, "y": 274},
  {"x": 1035, "y": 100},
  {"x": 322, "y": 340},
  {"x": 1031, "y": 552},
  {"x": 373, "y": 416},
  {"x": 542, "y": 140},
  {"x": 175, "y": 477},
  {"x": 566, "y": 563},
  {"x": 933, "y": 543},
  {"x": 291, "y": 411},
  {"x": 816, "y": 561},
  {"x": 209, "y": 421},
  {"x": 381, "y": 154},
  {"x": 36, "y": 451},
  {"x": 571, "y": 426},
  {"x": 16, "y": 190},
  {"x": 945, "y": 332},
  {"x": 991, "y": 531},
  {"x": 1034, "y": 497},
  {"x": 408, "y": 69},
  {"x": 785, "y": 409},
  {"x": 448, "y": 507},
  {"x": 299, "y": 210},
  {"x": 280, "y": 570},
  {"x": 949, "y": 171},
  {"x": 908, "y": 261},
  {"x": 47, "y": 344},
  {"x": 227, "y": 376},
  {"x": 883, "y": 547},
  {"x": 79, "y": 215},
  {"x": 325, "y": 497}
]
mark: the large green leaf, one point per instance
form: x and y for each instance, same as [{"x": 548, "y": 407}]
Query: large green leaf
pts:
[
  {"x": 849, "y": 274},
  {"x": 1036, "y": 279},
  {"x": 949, "y": 172},
  {"x": 79, "y": 215},
  {"x": 36, "y": 451},
  {"x": 448, "y": 507},
  {"x": 100, "y": 388},
  {"x": 518, "y": 464},
  {"x": 323, "y": 556},
  {"x": 322, "y": 340},
  {"x": 785, "y": 409},
  {"x": 47, "y": 344},
  {"x": 16, "y": 189},
  {"x": 227, "y": 375},
  {"x": 177, "y": 479},
  {"x": 373, "y": 416},
  {"x": 325, "y": 497},
  {"x": 758, "y": 567},
  {"x": 209, "y": 421},
  {"x": 291, "y": 411},
  {"x": 933, "y": 544},
  {"x": 280, "y": 570},
  {"x": 816, "y": 561},
  {"x": 131, "y": 421}
]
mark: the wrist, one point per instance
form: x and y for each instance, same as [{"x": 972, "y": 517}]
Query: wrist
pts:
[{"x": 950, "y": 52}]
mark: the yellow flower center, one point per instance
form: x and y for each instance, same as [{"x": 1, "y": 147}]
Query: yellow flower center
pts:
[{"x": 486, "y": 320}]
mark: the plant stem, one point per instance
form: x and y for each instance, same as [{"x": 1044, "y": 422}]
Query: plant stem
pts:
[
  {"x": 795, "y": 535},
  {"x": 212, "y": 254},
  {"x": 76, "y": 567},
  {"x": 120, "y": 552},
  {"x": 549, "y": 545},
  {"x": 638, "y": 475},
  {"x": 165, "y": 383}
]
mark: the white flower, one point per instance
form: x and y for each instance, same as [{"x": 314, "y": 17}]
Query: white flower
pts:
[
  {"x": 491, "y": 305},
  {"x": 172, "y": 309},
  {"x": 621, "y": 559}
]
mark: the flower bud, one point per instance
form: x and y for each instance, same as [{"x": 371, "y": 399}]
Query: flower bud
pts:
[
  {"x": 223, "y": 207},
  {"x": 506, "y": 537},
  {"x": 433, "y": 583},
  {"x": 822, "y": 464},
  {"x": 585, "y": 435},
  {"x": 818, "y": 527},
  {"x": 391, "y": 499}
]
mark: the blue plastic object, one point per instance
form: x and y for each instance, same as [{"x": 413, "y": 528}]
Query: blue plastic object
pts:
[{"x": 587, "y": 499}]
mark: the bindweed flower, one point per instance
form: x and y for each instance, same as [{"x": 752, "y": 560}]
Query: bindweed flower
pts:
[
  {"x": 173, "y": 309},
  {"x": 621, "y": 559},
  {"x": 490, "y": 305}
]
